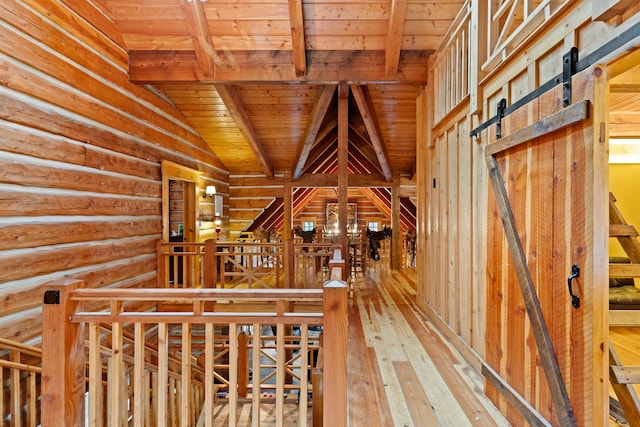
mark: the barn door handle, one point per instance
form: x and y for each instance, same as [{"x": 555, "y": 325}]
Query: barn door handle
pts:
[{"x": 575, "y": 272}]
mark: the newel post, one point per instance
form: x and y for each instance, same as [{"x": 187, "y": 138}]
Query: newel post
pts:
[
  {"x": 210, "y": 264},
  {"x": 63, "y": 357},
  {"x": 289, "y": 264},
  {"x": 335, "y": 354}
]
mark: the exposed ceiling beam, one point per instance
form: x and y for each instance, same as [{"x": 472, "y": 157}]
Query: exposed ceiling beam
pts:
[
  {"x": 330, "y": 180},
  {"x": 317, "y": 116},
  {"x": 394, "y": 37},
  {"x": 365, "y": 105},
  {"x": 297, "y": 37},
  {"x": 202, "y": 41},
  {"x": 323, "y": 67},
  {"x": 233, "y": 103}
]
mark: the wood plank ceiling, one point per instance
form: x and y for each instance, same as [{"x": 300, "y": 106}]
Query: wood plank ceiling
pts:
[{"x": 257, "y": 79}]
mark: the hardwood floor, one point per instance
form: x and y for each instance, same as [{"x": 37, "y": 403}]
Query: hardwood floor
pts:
[{"x": 402, "y": 372}]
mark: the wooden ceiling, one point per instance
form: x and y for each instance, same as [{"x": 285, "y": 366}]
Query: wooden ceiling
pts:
[
  {"x": 257, "y": 79},
  {"x": 624, "y": 103}
]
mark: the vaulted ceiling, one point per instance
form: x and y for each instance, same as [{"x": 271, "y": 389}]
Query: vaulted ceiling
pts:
[{"x": 257, "y": 79}]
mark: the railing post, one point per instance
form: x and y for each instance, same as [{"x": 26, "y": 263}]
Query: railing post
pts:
[
  {"x": 210, "y": 267},
  {"x": 337, "y": 261},
  {"x": 161, "y": 278},
  {"x": 63, "y": 357},
  {"x": 289, "y": 264},
  {"x": 243, "y": 365},
  {"x": 335, "y": 353}
]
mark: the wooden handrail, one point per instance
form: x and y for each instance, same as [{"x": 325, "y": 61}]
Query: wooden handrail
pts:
[
  {"x": 63, "y": 392},
  {"x": 23, "y": 365}
]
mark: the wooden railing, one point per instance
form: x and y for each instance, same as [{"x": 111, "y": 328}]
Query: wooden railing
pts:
[
  {"x": 452, "y": 67},
  {"x": 218, "y": 264},
  {"x": 510, "y": 22},
  {"x": 205, "y": 332},
  {"x": 20, "y": 373},
  {"x": 312, "y": 264}
]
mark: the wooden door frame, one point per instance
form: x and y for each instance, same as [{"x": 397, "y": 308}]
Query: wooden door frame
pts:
[{"x": 191, "y": 177}]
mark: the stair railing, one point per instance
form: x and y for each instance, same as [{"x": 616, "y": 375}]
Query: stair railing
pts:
[
  {"x": 66, "y": 319},
  {"x": 20, "y": 373}
]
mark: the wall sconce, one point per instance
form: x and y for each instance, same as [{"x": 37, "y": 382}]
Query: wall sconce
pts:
[{"x": 210, "y": 191}]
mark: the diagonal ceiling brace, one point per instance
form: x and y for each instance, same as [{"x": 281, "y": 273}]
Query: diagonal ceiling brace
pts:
[
  {"x": 202, "y": 41},
  {"x": 323, "y": 101},
  {"x": 232, "y": 101},
  {"x": 365, "y": 105},
  {"x": 297, "y": 37}
]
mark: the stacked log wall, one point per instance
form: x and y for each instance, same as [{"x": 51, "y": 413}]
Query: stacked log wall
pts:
[{"x": 80, "y": 153}]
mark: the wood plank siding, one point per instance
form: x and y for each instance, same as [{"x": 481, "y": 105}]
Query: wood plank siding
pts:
[
  {"x": 455, "y": 220},
  {"x": 80, "y": 152}
]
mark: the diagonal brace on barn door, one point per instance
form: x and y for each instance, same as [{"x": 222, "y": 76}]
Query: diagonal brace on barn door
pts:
[{"x": 553, "y": 123}]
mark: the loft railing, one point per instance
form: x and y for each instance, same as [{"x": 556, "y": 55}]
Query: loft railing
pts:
[
  {"x": 312, "y": 263},
  {"x": 511, "y": 22},
  {"x": 452, "y": 68},
  {"x": 206, "y": 327},
  {"x": 218, "y": 264},
  {"x": 20, "y": 373}
]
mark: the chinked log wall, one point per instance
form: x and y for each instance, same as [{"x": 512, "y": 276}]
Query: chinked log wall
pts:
[{"x": 80, "y": 152}]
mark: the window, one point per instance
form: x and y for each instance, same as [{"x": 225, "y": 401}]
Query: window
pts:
[
  {"x": 308, "y": 225},
  {"x": 373, "y": 225}
]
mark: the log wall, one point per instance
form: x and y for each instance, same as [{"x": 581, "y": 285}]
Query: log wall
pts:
[{"x": 80, "y": 152}]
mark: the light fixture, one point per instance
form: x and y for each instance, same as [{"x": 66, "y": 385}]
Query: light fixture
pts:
[{"x": 210, "y": 191}]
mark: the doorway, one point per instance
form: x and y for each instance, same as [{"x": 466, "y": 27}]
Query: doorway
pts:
[{"x": 179, "y": 186}]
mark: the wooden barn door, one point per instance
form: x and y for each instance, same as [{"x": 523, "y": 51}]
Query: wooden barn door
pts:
[{"x": 546, "y": 352}]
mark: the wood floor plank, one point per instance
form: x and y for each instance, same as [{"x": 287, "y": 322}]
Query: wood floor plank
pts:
[
  {"x": 366, "y": 391},
  {"x": 417, "y": 401},
  {"x": 423, "y": 375},
  {"x": 450, "y": 365}
]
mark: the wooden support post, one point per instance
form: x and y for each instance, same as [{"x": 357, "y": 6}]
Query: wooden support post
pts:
[
  {"x": 343, "y": 166},
  {"x": 396, "y": 236},
  {"x": 289, "y": 265},
  {"x": 161, "y": 278},
  {"x": 335, "y": 353},
  {"x": 63, "y": 361},
  {"x": 243, "y": 365},
  {"x": 209, "y": 264}
]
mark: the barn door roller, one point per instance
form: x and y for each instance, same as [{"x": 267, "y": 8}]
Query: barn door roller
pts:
[{"x": 569, "y": 68}]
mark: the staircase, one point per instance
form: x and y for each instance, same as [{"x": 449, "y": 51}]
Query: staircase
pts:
[{"x": 623, "y": 378}]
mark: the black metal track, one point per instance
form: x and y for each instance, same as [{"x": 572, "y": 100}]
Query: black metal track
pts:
[{"x": 613, "y": 44}]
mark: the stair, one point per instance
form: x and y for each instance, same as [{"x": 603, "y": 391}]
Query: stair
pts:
[{"x": 623, "y": 378}]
